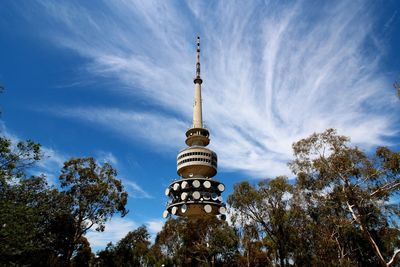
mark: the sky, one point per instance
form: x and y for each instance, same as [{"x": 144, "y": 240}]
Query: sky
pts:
[{"x": 114, "y": 80}]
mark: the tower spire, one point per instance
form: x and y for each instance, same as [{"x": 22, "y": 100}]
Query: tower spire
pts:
[{"x": 197, "y": 78}]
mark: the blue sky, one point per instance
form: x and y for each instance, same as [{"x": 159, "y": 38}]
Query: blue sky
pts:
[{"x": 114, "y": 80}]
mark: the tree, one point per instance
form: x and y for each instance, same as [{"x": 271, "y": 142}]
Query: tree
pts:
[
  {"x": 106, "y": 257},
  {"x": 265, "y": 209},
  {"x": 84, "y": 255},
  {"x": 203, "y": 241},
  {"x": 16, "y": 159},
  {"x": 24, "y": 202},
  {"x": 39, "y": 223},
  {"x": 94, "y": 196},
  {"x": 133, "y": 248},
  {"x": 36, "y": 219},
  {"x": 340, "y": 210},
  {"x": 357, "y": 189},
  {"x": 169, "y": 243}
]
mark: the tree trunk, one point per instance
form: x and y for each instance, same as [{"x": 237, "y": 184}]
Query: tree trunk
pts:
[
  {"x": 367, "y": 234},
  {"x": 248, "y": 254},
  {"x": 281, "y": 259}
]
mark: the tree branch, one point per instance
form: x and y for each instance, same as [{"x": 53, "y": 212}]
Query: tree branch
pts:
[
  {"x": 386, "y": 187},
  {"x": 367, "y": 234},
  {"x": 394, "y": 258}
]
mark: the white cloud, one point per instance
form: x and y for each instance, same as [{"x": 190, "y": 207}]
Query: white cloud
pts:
[
  {"x": 115, "y": 230},
  {"x": 103, "y": 157},
  {"x": 156, "y": 128},
  {"x": 155, "y": 226},
  {"x": 51, "y": 164},
  {"x": 273, "y": 73},
  {"x": 134, "y": 190},
  {"x": 52, "y": 159}
]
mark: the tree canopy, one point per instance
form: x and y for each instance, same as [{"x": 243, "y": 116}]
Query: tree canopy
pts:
[
  {"x": 202, "y": 241},
  {"x": 93, "y": 194},
  {"x": 341, "y": 209},
  {"x": 41, "y": 225}
]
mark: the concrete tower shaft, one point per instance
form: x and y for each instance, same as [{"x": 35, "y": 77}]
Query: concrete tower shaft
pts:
[{"x": 197, "y": 107}]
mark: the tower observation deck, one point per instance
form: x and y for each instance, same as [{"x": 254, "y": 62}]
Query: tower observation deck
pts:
[{"x": 195, "y": 193}]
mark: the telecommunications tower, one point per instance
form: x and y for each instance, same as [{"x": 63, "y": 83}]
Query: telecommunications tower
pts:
[{"x": 195, "y": 193}]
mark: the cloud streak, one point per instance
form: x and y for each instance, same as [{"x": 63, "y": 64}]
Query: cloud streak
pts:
[{"x": 273, "y": 73}]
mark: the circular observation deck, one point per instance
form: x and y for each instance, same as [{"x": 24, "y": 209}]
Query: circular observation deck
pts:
[
  {"x": 195, "y": 196},
  {"x": 197, "y": 136},
  {"x": 197, "y": 161}
]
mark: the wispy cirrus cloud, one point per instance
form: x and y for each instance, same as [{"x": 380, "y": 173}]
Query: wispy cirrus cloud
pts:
[
  {"x": 273, "y": 72},
  {"x": 164, "y": 131},
  {"x": 134, "y": 190}
]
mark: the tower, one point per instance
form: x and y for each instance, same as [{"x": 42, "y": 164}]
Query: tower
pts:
[{"x": 195, "y": 193}]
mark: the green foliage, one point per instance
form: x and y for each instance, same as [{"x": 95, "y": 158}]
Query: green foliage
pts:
[
  {"x": 340, "y": 210},
  {"x": 15, "y": 159},
  {"x": 353, "y": 190},
  {"x": 84, "y": 256},
  {"x": 93, "y": 194},
  {"x": 132, "y": 250},
  {"x": 43, "y": 226},
  {"x": 262, "y": 212},
  {"x": 26, "y": 207},
  {"x": 203, "y": 241}
]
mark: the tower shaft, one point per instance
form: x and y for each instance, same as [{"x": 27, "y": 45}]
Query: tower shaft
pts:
[{"x": 197, "y": 107}]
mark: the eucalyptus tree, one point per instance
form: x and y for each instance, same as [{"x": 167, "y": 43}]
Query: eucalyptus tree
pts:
[
  {"x": 355, "y": 192},
  {"x": 341, "y": 208},
  {"x": 133, "y": 249},
  {"x": 265, "y": 207},
  {"x": 94, "y": 195},
  {"x": 18, "y": 221},
  {"x": 203, "y": 241},
  {"x": 15, "y": 159}
]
